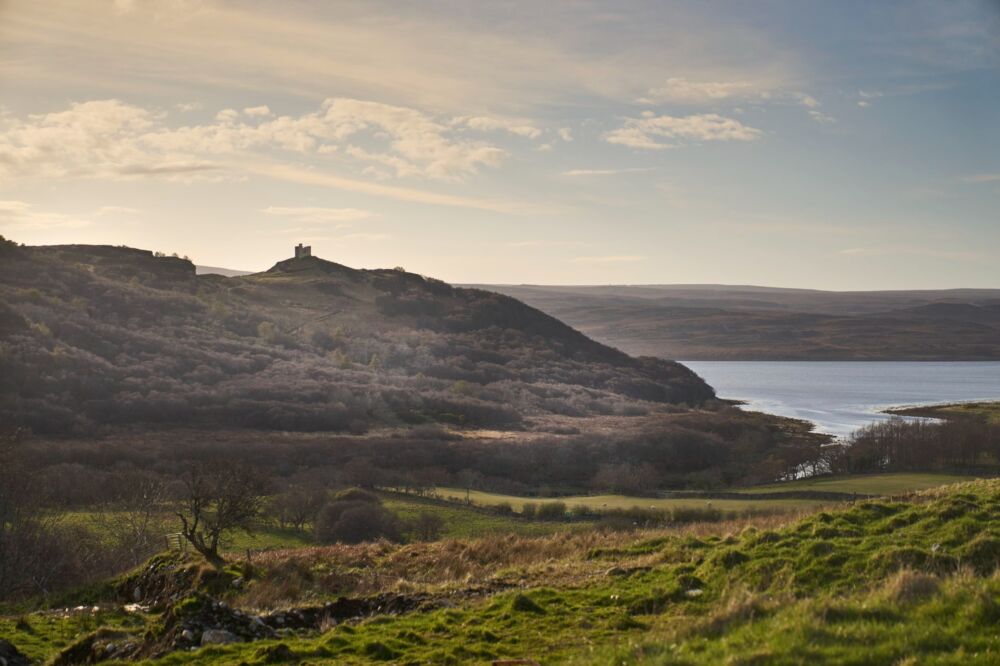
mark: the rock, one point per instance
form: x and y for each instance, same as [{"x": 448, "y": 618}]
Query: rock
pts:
[
  {"x": 11, "y": 656},
  {"x": 188, "y": 635},
  {"x": 137, "y": 594},
  {"x": 219, "y": 637}
]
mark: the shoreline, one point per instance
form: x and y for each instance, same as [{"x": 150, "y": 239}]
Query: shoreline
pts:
[{"x": 970, "y": 409}]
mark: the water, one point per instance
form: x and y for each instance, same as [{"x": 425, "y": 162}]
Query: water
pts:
[{"x": 839, "y": 397}]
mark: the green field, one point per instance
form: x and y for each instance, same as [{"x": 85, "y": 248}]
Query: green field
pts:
[
  {"x": 989, "y": 411},
  {"x": 877, "y": 582},
  {"x": 603, "y": 503},
  {"x": 459, "y": 522},
  {"x": 865, "y": 484},
  {"x": 462, "y": 522}
]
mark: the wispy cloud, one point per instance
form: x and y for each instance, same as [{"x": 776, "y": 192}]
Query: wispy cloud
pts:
[
  {"x": 22, "y": 216},
  {"x": 116, "y": 210},
  {"x": 311, "y": 177},
  {"x": 610, "y": 259},
  {"x": 904, "y": 250},
  {"x": 518, "y": 127},
  {"x": 317, "y": 215},
  {"x": 602, "y": 172},
  {"x": 980, "y": 178},
  {"x": 652, "y": 132},
  {"x": 109, "y": 138},
  {"x": 679, "y": 90}
]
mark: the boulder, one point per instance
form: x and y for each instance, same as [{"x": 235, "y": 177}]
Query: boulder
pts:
[
  {"x": 11, "y": 656},
  {"x": 219, "y": 637}
]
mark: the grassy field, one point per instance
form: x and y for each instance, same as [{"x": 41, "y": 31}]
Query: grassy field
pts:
[
  {"x": 865, "y": 484},
  {"x": 601, "y": 503},
  {"x": 878, "y": 582},
  {"x": 989, "y": 411},
  {"x": 458, "y": 522},
  {"x": 464, "y": 522}
]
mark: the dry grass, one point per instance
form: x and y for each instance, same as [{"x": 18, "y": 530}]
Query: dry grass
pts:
[
  {"x": 287, "y": 577},
  {"x": 907, "y": 586}
]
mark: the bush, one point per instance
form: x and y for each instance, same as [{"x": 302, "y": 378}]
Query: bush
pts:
[
  {"x": 427, "y": 526},
  {"x": 357, "y": 495},
  {"x": 504, "y": 509},
  {"x": 529, "y": 509},
  {"x": 355, "y": 522},
  {"x": 551, "y": 511}
]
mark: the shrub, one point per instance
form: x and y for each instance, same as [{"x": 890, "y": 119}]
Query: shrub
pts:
[
  {"x": 355, "y": 522},
  {"x": 357, "y": 495},
  {"x": 551, "y": 511},
  {"x": 529, "y": 509},
  {"x": 427, "y": 526}
]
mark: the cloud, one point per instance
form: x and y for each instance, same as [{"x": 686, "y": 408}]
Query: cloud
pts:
[
  {"x": 565, "y": 133},
  {"x": 649, "y": 131},
  {"x": 679, "y": 90},
  {"x": 609, "y": 259},
  {"x": 115, "y": 210},
  {"x": 21, "y": 216},
  {"x": 257, "y": 110},
  {"x": 903, "y": 250},
  {"x": 364, "y": 237},
  {"x": 821, "y": 117},
  {"x": 227, "y": 115},
  {"x": 601, "y": 172},
  {"x": 512, "y": 126},
  {"x": 808, "y": 101},
  {"x": 410, "y": 55},
  {"x": 311, "y": 177},
  {"x": 980, "y": 178},
  {"x": 109, "y": 138},
  {"x": 316, "y": 215}
]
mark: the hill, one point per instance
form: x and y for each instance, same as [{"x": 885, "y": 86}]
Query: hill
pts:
[
  {"x": 100, "y": 335},
  {"x": 718, "y": 322}
]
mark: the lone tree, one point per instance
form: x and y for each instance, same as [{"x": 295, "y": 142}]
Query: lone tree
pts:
[{"x": 217, "y": 500}]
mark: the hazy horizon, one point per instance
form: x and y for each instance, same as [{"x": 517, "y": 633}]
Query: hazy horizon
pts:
[{"x": 845, "y": 147}]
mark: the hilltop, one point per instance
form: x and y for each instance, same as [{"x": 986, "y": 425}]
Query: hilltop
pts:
[
  {"x": 98, "y": 335},
  {"x": 722, "y": 322}
]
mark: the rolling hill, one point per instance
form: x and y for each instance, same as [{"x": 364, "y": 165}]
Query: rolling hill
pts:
[
  {"x": 98, "y": 335},
  {"x": 717, "y": 322}
]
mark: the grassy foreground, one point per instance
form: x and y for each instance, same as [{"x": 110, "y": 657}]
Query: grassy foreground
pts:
[
  {"x": 909, "y": 581},
  {"x": 864, "y": 484}
]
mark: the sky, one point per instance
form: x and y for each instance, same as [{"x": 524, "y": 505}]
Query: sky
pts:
[{"x": 834, "y": 145}]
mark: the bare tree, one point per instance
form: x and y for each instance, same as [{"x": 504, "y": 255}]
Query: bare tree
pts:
[
  {"x": 131, "y": 519},
  {"x": 428, "y": 526},
  {"x": 19, "y": 514},
  {"x": 297, "y": 507},
  {"x": 218, "y": 499}
]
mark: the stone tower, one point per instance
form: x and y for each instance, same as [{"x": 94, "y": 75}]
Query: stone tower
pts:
[{"x": 303, "y": 251}]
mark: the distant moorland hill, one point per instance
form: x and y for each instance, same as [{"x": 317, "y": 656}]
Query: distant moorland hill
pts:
[
  {"x": 98, "y": 335},
  {"x": 718, "y": 322}
]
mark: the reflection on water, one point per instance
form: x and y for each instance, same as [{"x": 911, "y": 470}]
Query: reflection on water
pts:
[{"x": 840, "y": 397}]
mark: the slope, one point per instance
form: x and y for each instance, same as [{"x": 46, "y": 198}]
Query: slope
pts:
[{"x": 100, "y": 335}]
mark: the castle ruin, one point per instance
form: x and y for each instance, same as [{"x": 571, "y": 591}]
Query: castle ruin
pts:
[{"x": 303, "y": 251}]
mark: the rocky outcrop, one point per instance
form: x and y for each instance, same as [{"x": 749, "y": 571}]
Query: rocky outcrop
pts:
[{"x": 11, "y": 656}]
